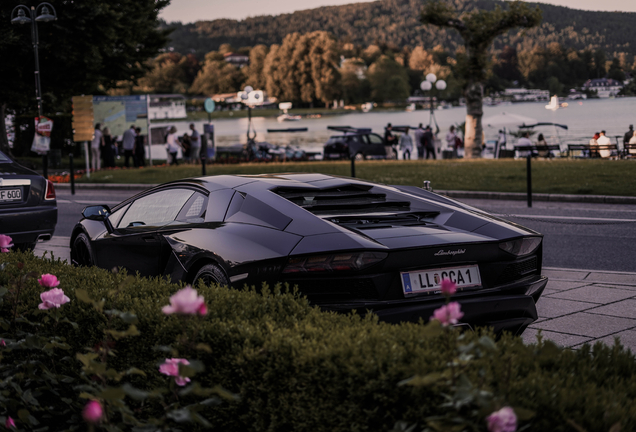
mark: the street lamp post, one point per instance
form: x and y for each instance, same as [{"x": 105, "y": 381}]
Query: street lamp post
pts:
[
  {"x": 23, "y": 15},
  {"x": 427, "y": 86}
]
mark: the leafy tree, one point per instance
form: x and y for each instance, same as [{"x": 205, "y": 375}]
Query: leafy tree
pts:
[
  {"x": 92, "y": 47},
  {"x": 255, "y": 76},
  {"x": 169, "y": 74},
  {"x": 217, "y": 76},
  {"x": 478, "y": 29},
  {"x": 389, "y": 81},
  {"x": 616, "y": 71},
  {"x": 355, "y": 86},
  {"x": 324, "y": 60}
]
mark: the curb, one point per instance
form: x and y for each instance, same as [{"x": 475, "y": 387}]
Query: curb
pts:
[
  {"x": 512, "y": 196},
  {"x": 517, "y": 196}
]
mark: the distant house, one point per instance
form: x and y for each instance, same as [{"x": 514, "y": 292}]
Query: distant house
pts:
[
  {"x": 238, "y": 60},
  {"x": 167, "y": 106},
  {"x": 604, "y": 87}
]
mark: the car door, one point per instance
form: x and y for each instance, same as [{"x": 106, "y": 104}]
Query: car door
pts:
[
  {"x": 135, "y": 242},
  {"x": 376, "y": 146}
]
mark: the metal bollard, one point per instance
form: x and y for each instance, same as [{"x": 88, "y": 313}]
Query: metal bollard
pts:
[
  {"x": 427, "y": 185},
  {"x": 353, "y": 166},
  {"x": 529, "y": 178},
  {"x": 203, "y": 165},
  {"x": 70, "y": 162}
]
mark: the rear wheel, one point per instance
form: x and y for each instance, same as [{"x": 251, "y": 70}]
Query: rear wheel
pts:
[
  {"x": 82, "y": 252},
  {"x": 210, "y": 274},
  {"x": 359, "y": 156}
]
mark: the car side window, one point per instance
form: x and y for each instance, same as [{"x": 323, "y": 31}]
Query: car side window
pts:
[
  {"x": 156, "y": 209},
  {"x": 115, "y": 216},
  {"x": 375, "y": 139},
  {"x": 194, "y": 210}
]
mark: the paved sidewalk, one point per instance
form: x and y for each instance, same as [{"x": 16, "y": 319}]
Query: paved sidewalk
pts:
[{"x": 578, "y": 306}]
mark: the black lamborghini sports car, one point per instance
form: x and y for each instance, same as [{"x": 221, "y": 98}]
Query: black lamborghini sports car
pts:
[{"x": 347, "y": 244}]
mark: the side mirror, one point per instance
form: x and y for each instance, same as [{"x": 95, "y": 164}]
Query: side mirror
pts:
[{"x": 96, "y": 213}]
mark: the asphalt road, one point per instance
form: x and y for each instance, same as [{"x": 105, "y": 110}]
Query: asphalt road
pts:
[{"x": 577, "y": 235}]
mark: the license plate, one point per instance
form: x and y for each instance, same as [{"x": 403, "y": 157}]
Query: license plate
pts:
[
  {"x": 10, "y": 195},
  {"x": 429, "y": 281}
]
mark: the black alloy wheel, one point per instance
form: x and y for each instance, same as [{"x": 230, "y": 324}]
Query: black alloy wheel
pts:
[
  {"x": 210, "y": 274},
  {"x": 81, "y": 252}
]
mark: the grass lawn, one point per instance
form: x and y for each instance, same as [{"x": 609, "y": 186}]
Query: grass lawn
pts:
[{"x": 589, "y": 177}]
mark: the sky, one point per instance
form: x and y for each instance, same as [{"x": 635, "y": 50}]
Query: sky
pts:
[{"x": 195, "y": 10}]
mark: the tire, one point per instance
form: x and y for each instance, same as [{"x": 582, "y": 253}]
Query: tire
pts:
[
  {"x": 82, "y": 252},
  {"x": 210, "y": 274},
  {"x": 359, "y": 156}
]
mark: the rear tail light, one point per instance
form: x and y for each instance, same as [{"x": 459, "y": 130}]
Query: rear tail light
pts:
[
  {"x": 333, "y": 262},
  {"x": 50, "y": 191},
  {"x": 520, "y": 247}
]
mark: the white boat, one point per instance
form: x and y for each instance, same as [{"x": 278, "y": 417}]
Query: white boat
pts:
[
  {"x": 554, "y": 103},
  {"x": 287, "y": 117},
  {"x": 410, "y": 108},
  {"x": 366, "y": 107}
]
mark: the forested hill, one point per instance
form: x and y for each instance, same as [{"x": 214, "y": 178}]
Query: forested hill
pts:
[{"x": 396, "y": 23}]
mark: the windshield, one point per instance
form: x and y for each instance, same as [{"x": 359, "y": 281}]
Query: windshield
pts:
[{"x": 4, "y": 158}]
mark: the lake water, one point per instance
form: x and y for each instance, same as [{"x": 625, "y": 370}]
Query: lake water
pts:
[{"x": 583, "y": 119}]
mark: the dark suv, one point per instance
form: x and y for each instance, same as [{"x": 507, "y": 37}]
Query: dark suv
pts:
[{"x": 358, "y": 143}]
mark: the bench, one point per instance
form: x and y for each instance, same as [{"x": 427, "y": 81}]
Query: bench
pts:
[
  {"x": 589, "y": 150},
  {"x": 629, "y": 150},
  {"x": 546, "y": 150}
]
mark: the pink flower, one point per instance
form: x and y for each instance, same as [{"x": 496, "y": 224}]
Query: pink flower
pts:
[
  {"x": 92, "y": 412},
  {"x": 3, "y": 343},
  {"x": 5, "y": 243},
  {"x": 503, "y": 420},
  {"x": 186, "y": 302},
  {"x": 53, "y": 299},
  {"x": 448, "y": 314},
  {"x": 449, "y": 287},
  {"x": 171, "y": 368},
  {"x": 48, "y": 281},
  {"x": 9, "y": 423}
]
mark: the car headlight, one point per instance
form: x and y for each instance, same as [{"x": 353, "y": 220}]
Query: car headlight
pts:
[{"x": 522, "y": 246}]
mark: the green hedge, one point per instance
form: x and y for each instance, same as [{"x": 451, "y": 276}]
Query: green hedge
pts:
[{"x": 297, "y": 368}]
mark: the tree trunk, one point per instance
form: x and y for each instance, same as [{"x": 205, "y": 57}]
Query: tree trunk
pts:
[
  {"x": 473, "y": 138},
  {"x": 4, "y": 141}
]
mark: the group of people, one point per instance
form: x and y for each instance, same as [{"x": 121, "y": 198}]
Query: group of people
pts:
[
  {"x": 424, "y": 139},
  {"x": 190, "y": 145},
  {"x": 104, "y": 148}
]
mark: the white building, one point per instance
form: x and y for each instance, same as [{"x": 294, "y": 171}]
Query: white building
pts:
[
  {"x": 167, "y": 106},
  {"x": 604, "y": 87},
  {"x": 527, "y": 95}
]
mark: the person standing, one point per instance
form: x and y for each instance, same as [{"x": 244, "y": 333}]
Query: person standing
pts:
[
  {"x": 628, "y": 135},
  {"x": 108, "y": 152},
  {"x": 419, "y": 132},
  {"x": 96, "y": 145},
  {"x": 406, "y": 145},
  {"x": 428, "y": 142},
  {"x": 128, "y": 144},
  {"x": 172, "y": 145},
  {"x": 604, "y": 140},
  {"x": 632, "y": 140},
  {"x": 450, "y": 140},
  {"x": 140, "y": 154},
  {"x": 195, "y": 144}
]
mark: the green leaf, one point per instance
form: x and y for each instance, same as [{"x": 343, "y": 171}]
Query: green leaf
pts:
[
  {"x": 132, "y": 331},
  {"x": 192, "y": 369},
  {"x": 523, "y": 414},
  {"x": 112, "y": 394},
  {"x": 425, "y": 380},
  {"x": 180, "y": 416},
  {"x": 134, "y": 392},
  {"x": 135, "y": 371},
  {"x": 83, "y": 296},
  {"x": 204, "y": 347}
]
